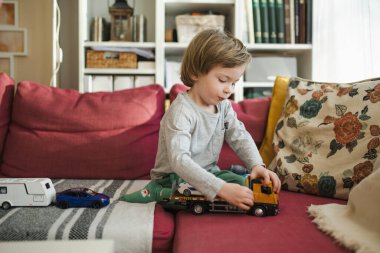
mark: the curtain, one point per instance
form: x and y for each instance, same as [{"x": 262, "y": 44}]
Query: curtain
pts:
[{"x": 346, "y": 40}]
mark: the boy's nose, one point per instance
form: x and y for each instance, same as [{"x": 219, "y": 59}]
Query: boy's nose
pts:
[{"x": 228, "y": 89}]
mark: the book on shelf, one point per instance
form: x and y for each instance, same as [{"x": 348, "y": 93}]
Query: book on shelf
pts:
[
  {"x": 302, "y": 21},
  {"x": 244, "y": 24},
  {"x": 257, "y": 21},
  {"x": 309, "y": 21},
  {"x": 297, "y": 21},
  {"x": 264, "y": 21},
  {"x": 280, "y": 21},
  {"x": 287, "y": 21},
  {"x": 272, "y": 21},
  {"x": 250, "y": 21},
  {"x": 292, "y": 22}
]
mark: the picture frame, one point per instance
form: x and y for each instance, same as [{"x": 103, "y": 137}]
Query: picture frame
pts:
[
  {"x": 6, "y": 64},
  {"x": 13, "y": 40},
  {"x": 9, "y": 13}
]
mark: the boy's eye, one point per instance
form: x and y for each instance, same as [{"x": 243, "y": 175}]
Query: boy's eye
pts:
[{"x": 222, "y": 81}]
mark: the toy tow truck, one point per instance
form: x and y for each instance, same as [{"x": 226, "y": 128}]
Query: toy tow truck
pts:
[{"x": 265, "y": 201}]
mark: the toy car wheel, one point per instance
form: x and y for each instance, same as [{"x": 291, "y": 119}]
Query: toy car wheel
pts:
[
  {"x": 198, "y": 208},
  {"x": 259, "y": 211},
  {"x": 187, "y": 192},
  {"x": 96, "y": 205},
  {"x": 6, "y": 205},
  {"x": 63, "y": 205}
]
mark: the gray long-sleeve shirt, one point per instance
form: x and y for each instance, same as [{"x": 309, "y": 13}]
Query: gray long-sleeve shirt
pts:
[{"x": 191, "y": 139}]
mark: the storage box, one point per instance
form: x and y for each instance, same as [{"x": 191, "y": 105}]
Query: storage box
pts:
[
  {"x": 123, "y": 82},
  {"x": 188, "y": 26},
  {"x": 266, "y": 68},
  {"x": 143, "y": 81},
  {"x": 101, "y": 83},
  {"x": 106, "y": 59}
]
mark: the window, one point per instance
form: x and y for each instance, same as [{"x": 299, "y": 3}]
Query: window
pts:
[
  {"x": 71, "y": 194},
  {"x": 47, "y": 185},
  {"x": 266, "y": 189},
  {"x": 3, "y": 190},
  {"x": 82, "y": 194}
]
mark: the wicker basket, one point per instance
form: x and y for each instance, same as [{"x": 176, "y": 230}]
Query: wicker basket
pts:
[
  {"x": 188, "y": 26},
  {"x": 106, "y": 59}
]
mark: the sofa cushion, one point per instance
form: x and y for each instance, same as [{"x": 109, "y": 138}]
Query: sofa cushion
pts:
[
  {"x": 163, "y": 230},
  {"x": 177, "y": 89},
  {"x": 279, "y": 91},
  {"x": 60, "y": 133},
  {"x": 6, "y": 97},
  {"x": 290, "y": 231},
  {"x": 328, "y": 137},
  {"x": 252, "y": 112}
]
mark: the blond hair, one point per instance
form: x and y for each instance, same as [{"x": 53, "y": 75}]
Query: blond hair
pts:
[{"x": 211, "y": 48}]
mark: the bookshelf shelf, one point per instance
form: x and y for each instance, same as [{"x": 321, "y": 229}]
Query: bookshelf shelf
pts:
[
  {"x": 119, "y": 71},
  {"x": 280, "y": 47},
  {"x": 149, "y": 45},
  {"x": 268, "y": 84},
  {"x": 160, "y": 16}
]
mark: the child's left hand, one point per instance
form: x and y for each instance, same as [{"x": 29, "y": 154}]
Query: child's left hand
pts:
[{"x": 267, "y": 175}]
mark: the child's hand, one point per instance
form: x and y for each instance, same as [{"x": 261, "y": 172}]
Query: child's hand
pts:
[
  {"x": 267, "y": 175},
  {"x": 237, "y": 195}
]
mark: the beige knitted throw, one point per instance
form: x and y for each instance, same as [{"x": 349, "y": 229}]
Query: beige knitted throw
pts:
[{"x": 357, "y": 224}]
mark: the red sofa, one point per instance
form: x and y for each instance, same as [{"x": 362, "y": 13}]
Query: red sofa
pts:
[{"x": 55, "y": 133}]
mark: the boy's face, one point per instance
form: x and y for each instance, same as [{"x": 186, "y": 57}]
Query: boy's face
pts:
[{"x": 218, "y": 84}]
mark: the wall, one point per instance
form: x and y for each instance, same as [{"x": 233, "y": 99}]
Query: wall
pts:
[
  {"x": 37, "y": 17},
  {"x": 68, "y": 75}
]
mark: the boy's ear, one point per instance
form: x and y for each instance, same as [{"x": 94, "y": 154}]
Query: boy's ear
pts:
[{"x": 194, "y": 77}]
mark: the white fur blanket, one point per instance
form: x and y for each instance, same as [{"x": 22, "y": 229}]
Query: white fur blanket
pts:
[
  {"x": 129, "y": 225},
  {"x": 357, "y": 224}
]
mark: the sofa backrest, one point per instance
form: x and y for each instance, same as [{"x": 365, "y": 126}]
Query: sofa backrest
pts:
[
  {"x": 6, "y": 97},
  {"x": 60, "y": 133},
  {"x": 252, "y": 112}
]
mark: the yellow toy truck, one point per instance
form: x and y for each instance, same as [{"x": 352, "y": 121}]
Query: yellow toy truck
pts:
[{"x": 265, "y": 201}]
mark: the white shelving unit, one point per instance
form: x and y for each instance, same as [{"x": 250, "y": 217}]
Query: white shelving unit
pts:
[{"x": 161, "y": 16}]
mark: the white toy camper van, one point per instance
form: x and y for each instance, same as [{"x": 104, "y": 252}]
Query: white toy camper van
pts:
[{"x": 26, "y": 192}]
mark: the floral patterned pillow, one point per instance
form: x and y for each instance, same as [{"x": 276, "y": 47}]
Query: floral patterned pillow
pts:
[{"x": 328, "y": 137}]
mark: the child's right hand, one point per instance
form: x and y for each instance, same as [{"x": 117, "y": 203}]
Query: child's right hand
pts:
[{"x": 237, "y": 195}]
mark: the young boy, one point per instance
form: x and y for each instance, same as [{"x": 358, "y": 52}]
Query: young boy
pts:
[{"x": 192, "y": 131}]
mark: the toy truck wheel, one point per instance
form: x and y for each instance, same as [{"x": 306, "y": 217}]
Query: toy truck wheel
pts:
[
  {"x": 96, "y": 205},
  {"x": 63, "y": 205},
  {"x": 6, "y": 205},
  {"x": 198, "y": 208},
  {"x": 259, "y": 211},
  {"x": 187, "y": 192}
]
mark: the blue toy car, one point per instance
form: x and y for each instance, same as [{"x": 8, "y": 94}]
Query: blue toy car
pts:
[{"x": 81, "y": 197}]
